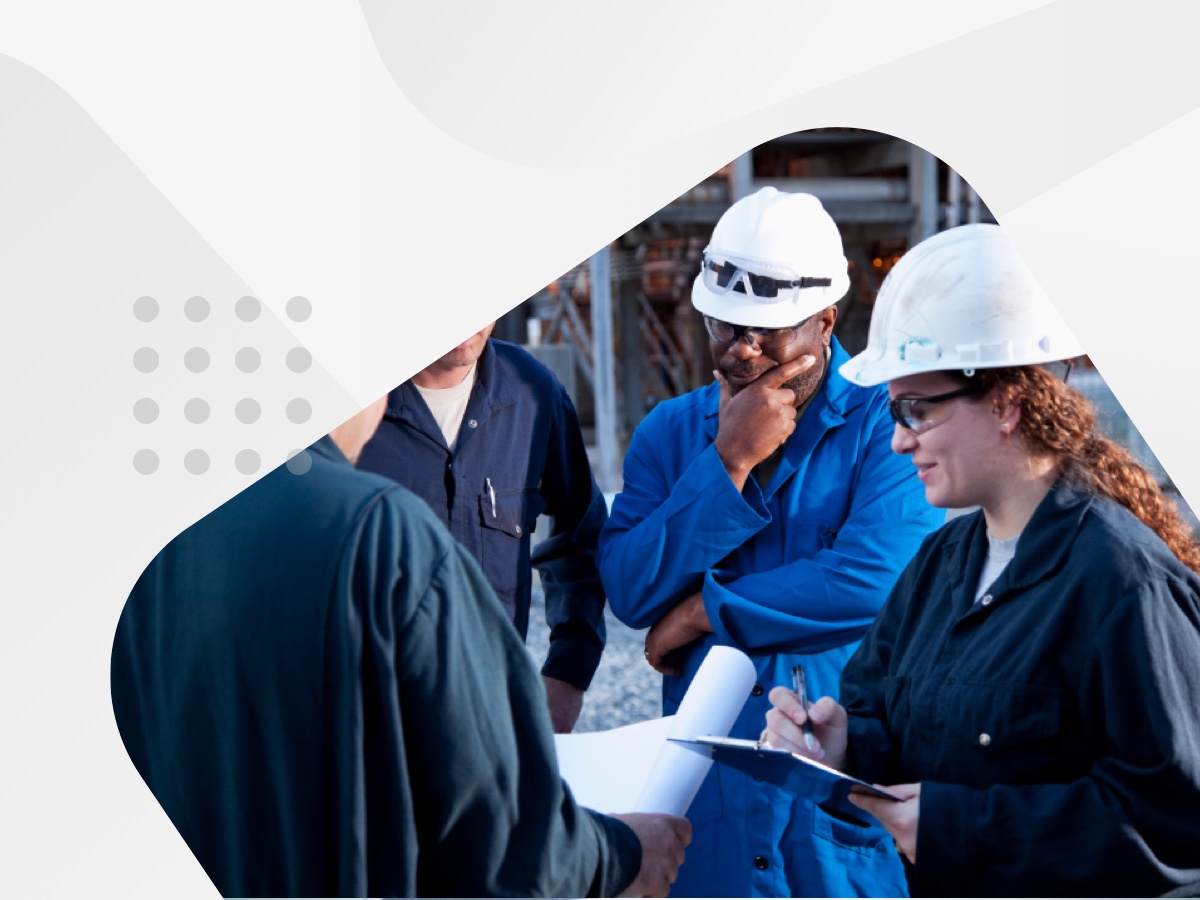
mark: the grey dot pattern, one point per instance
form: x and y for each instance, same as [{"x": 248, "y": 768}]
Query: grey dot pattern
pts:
[
  {"x": 299, "y": 359},
  {"x": 299, "y": 462},
  {"x": 145, "y": 309},
  {"x": 145, "y": 359},
  {"x": 145, "y": 462},
  {"x": 196, "y": 410},
  {"x": 247, "y": 309},
  {"x": 145, "y": 410},
  {"x": 247, "y": 359},
  {"x": 299, "y": 309},
  {"x": 196, "y": 309},
  {"x": 247, "y": 462},
  {"x": 196, "y": 359},
  {"x": 299, "y": 410},
  {"x": 247, "y": 410},
  {"x": 196, "y": 462}
]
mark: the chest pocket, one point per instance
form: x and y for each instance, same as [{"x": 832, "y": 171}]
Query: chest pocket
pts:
[
  {"x": 507, "y": 517},
  {"x": 504, "y": 511},
  {"x": 1012, "y": 730}
]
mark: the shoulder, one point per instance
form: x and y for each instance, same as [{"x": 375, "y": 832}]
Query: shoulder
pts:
[
  {"x": 1116, "y": 545},
  {"x": 518, "y": 366},
  {"x": 1131, "y": 579},
  {"x": 333, "y": 489},
  {"x": 850, "y": 399}
]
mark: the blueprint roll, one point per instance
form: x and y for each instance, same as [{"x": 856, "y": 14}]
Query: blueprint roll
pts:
[{"x": 710, "y": 707}]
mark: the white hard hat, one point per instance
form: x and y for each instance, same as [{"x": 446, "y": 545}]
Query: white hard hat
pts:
[
  {"x": 774, "y": 259},
  {"x": 963, "y": 299}
]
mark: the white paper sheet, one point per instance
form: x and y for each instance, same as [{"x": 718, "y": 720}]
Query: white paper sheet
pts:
[
  {"x": 635, "y": 768},
  {"x": 607, "y": 769}
]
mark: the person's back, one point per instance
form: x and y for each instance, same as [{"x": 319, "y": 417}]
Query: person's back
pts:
[{"x": 306, "y": 677}]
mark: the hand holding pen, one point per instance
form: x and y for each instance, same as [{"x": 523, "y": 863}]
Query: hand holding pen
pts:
[
  {"x": 816, "y": 730},
  {"x": 800, "y": 685}
]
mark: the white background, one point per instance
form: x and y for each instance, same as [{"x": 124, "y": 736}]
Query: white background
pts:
[{"x": 414, "y": 173}]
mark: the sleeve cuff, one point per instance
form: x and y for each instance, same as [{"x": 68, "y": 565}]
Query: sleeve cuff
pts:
[
  {"x": 572, "y": 662},
  {"x": 620, "y": 858}
]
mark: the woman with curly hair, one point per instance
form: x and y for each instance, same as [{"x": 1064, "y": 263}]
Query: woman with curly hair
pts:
[{"x": 1029, "y": 689}]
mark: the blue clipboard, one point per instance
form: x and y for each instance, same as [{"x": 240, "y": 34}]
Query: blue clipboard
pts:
[{"x": 825, "y": 786}]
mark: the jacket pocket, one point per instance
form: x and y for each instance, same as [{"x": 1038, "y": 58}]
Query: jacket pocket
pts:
[
  {"x": 503, "y": 511},
  {"x": 863, "y": 839},
  {"x": 504, "y": 516},
  {"x": 999, "y": 715}
]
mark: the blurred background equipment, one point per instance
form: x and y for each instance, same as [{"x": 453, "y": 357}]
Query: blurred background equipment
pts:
[
  {"x": 885, "y": 194},
  {"x": 637, "y": 340}
]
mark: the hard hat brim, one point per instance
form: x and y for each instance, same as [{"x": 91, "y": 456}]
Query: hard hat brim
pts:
[{"x": 867, "y": 370}]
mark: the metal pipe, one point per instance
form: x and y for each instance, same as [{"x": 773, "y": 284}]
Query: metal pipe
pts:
[
  {"x": 604, "y": 372},
  {"x": 922, "y": 177},
  {"x": 953, "y": 199}
]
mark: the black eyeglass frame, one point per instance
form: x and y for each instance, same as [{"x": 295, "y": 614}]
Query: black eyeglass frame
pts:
[
  {"x": 760, "y": 335},
  {"x": 901, "y": 408}
]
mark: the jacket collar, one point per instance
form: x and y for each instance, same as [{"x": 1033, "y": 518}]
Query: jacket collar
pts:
[
  {"x": 491, "y": 392},
  {"x": 1041, "y": 551},
  {"x": 326, "y": 447}
]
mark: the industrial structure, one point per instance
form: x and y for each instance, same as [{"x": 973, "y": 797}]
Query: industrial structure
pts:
[{"x": 619, "y": 329}]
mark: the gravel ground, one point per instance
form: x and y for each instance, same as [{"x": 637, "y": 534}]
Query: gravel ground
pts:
[{"x": 625, "y": 689}]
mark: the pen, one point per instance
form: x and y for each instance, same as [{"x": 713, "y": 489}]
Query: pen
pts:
[
  {"x": 800, "y": 685},
  {"x": 492, "y": 495}
]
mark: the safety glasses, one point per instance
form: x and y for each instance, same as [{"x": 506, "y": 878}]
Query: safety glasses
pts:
[
  {"x": 763, "y": 281},
  {"x": 726, "y": 333},
  {"x": 917, "y": 413}
]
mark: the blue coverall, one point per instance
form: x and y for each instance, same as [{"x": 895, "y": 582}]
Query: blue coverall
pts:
[
  {"x": 519, "y": 454},
  {"x": 792, "y": 572}
]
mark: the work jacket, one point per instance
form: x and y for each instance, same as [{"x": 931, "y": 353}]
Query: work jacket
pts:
[
  {"x": 319, "y": 687},
  {"x": 1052, "y": 725},
  {"x": 519, "y": 454},
  {"x": 792, "y": 571}
]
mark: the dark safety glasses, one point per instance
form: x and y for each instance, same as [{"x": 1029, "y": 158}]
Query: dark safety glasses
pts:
[
  {"x": 726, "y": 333},
  {"x": 761, "y": 280},
  {"x": 915, "y": 413}
]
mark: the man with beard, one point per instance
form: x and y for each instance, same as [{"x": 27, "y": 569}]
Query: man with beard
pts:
[{"x": 767, "y": 512}]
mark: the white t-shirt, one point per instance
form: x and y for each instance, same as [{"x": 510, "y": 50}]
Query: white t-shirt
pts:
[
  {"x": 448, "y": 405},
  {"x": 1000, "y": 554}
]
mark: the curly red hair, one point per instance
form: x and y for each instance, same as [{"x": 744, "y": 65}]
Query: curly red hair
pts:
[{"x": 1057, "y": 421}]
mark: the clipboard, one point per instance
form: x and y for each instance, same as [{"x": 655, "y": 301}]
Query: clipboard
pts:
[{"x": 825, "y": 786}]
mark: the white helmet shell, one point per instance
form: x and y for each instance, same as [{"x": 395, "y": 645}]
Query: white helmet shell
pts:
[
  {"x": 963, "y": 299},
  {"x": 782, "y": 231}
]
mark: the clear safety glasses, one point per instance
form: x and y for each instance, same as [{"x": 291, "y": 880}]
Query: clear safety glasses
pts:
[
  {"x": 918, "y": 414},
  {"x": 763, "y": 281},
  {"x": 726, "y": 333}
]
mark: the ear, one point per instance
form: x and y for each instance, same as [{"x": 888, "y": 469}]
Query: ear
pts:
[
  {"x": 1008, "y": 412},
  {"x": 828, "y": 317}
]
